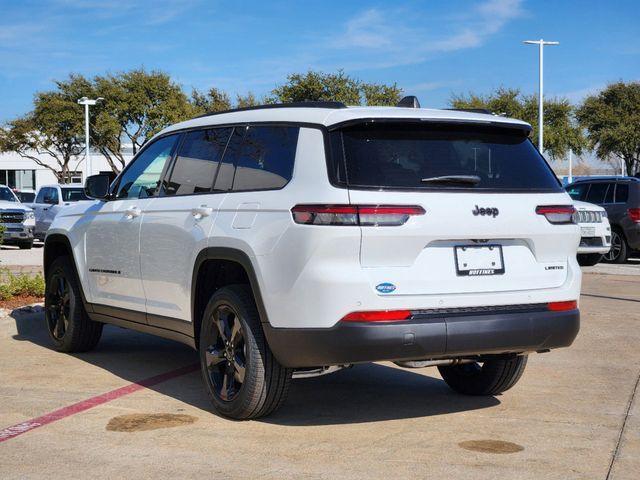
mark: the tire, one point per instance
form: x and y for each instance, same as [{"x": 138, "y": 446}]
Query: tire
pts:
[
  {"x": 493, "y": 377},
  {"x": 619, "y": 252},
  {"x": 243, "y": 378},
  {"x": 25, "y": 245},
  {"x": 589, "y": 259},
  {"x": 68, "y": 324}
]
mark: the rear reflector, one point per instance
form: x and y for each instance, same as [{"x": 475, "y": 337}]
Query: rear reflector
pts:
[
  {"x": 378, "y": 316},
  {"x": 557, "y": 214},
  {"x": 562, "y": 306},
  {"x": 363, "y": 215},
  {"x": 634, "y": 214}
]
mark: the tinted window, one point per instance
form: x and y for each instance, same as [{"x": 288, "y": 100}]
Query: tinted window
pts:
[
  {"x": 266, "y": 157},
  {"x": 597, "y": 193},
  {"x": 578, "y": 191},
  {"x": 26, "y": 197},
  {"x": 7, "y": 195},
  {"x": 224, "y": 178},
  {"x": 404, "y": 155},
  {"x": 51, "y": 195},
  {"x": 197, "y": 161},
  {"x": 40, "y": 197},
  {"x": 142, "y": 177},
  {"x": 622, "y": 193},
  {"x": 73, "y": 194},
  {"x": 608, "y": 198}
]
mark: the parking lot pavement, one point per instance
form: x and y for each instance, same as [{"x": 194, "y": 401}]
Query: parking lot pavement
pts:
[
  {"x": 22, "y": 261},
  {"x": 563, "y": 420}
]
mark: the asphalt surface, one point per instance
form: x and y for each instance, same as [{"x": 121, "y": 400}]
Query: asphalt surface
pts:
[{"x": 573, "y": 414}]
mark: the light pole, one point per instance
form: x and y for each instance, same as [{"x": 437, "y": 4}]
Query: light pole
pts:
[
  {"x": 87, "y": 155},
  {"x": 541, "y": 43}
]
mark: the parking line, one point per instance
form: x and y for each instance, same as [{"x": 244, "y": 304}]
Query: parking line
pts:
[{"x": 15, "y": 430}]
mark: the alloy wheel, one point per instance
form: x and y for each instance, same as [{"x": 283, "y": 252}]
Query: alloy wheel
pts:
[
  {"x": 58, "y": 305},
  {"x": 616, "y": 247},
  {"x": 225, "y": 356}
]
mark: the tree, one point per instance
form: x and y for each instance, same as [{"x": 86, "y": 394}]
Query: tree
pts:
[
  {"x": 612, "y": 121},
  {"x": 213, "y": 101},
  {"x": 54, "y": 128},
  {"x": 561, "y": 131},
  {"x": 318, "y": 86},
  {"x": 137, "y": 105}
]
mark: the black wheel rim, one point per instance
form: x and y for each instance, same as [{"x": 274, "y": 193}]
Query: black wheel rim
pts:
[
  {"x": 616, "y": 247},
  {"x": 58, "y": 305},
  {"x": 225, "y": 355}
]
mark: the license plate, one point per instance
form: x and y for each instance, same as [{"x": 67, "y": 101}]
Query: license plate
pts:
[
  {"x": 588, "y": 231},
  {"x": 476, "y": 260}
]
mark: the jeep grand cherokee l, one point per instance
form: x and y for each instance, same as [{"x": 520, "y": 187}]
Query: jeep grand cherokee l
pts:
[{"x": 290, "y": 239}]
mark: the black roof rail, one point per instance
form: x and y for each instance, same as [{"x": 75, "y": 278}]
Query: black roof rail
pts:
[
  {"x": 309, "y": 104},
  {"x": 472, "y": 110}
]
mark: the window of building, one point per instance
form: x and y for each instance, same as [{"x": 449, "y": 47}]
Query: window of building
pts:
[{"x": 197, "y": 161}]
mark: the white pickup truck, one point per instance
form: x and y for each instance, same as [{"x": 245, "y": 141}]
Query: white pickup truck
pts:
[{"x": 48, "y": 202}]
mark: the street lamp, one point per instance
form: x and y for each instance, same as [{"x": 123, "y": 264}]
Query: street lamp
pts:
[
  {"x": 541, "y": 43},
  {"x": 87, "y": 155}
]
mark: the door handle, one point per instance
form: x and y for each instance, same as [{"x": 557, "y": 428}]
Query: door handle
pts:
[
  {"x": 45, "y": 209},
  {"x": 201, "y": 211},
  {"x": 132, "y": 212}
]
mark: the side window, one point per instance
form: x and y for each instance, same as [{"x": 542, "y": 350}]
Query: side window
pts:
[
  {"x": 141, "y": 179},
  {"x": 266, "y": 158},
  {"x": 41, "y": 194},
  {"x": 224, "y": 179},
  {"x": 197, "y": 162},
  {"x": 597, "y": 193},
  {"x": 608, "y": 198},
  {"x": 622, "y": 193},
  {"x": 578, "y": 191}
]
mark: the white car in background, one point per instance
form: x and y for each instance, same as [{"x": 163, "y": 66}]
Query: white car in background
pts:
[
  {"x": 48, "y": 202},
  {"x": 595, "y": 232},
  {"x": 16, "y": 219}
]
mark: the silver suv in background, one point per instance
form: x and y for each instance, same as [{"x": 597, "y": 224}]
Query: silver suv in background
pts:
[
  {"x": 48, "y": 202},
  {"x": 16, "y": 220}
]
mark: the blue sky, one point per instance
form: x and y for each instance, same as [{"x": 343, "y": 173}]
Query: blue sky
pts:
[{"x": 430, "y": 48}]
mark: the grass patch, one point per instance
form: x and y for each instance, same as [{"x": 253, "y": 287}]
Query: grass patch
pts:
[{"x": 21, "y": 285}]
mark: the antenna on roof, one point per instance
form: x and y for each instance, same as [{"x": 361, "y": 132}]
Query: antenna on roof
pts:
[{"x": 410, "y": 101}]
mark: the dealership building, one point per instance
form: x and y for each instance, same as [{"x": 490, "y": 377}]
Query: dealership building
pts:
[{"x": 24, "y": 174}]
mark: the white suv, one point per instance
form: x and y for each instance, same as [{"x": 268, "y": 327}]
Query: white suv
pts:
[
  {"x": 306, "y": 237},
  {"x": 595, "y": 233}
]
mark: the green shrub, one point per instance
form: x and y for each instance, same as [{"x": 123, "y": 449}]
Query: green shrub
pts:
[
  {"x": 21, "y": 285},
  {"x": 1, "y": 233}
]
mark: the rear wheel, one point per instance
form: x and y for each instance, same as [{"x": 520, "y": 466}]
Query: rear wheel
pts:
[
  {"x": 490, "y": 377},
  {"x": 243, "y": 378},
  {"x": 619, "y": 249},
  {"x": 68, "y": 324},
  {"x": 589, "y": 259}
]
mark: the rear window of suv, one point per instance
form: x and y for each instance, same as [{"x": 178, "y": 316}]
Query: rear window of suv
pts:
[{"x": 411, "y": 156}]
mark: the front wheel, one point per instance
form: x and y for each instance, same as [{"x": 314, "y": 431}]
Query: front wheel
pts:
[
  {"x": 589, "y": 259},
  {"x": 243, "y": 378},
  {"x": 490, "y": 377}
]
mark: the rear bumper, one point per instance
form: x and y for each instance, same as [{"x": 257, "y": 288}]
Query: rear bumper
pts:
[{"x": 430, "y": 338}]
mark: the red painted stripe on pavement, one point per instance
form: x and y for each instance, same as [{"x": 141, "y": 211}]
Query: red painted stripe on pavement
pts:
[{"x": 15, "y": 430}]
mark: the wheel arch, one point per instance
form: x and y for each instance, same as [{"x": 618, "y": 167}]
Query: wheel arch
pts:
[
  {"x": 58, "y": 245},
  {"x": 214, "y": 268}
]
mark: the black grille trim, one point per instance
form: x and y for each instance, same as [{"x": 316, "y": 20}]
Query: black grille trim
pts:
[{"x": 488, "y": 310}]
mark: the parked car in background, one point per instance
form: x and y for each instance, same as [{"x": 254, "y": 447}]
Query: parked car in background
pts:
[
  {"x": 25, "y": 196},
  {"x": 595, "y": 233},
  {"x": 48, "y": 202},
  {"x": 620, "y": 197},
  {"x": 16, "y": 219}
]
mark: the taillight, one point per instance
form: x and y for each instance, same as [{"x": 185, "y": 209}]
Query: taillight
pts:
[
  {"x": 364, "y": 215},
  {"x": 378, "y": 316},
  {"x": 562, "y": 306},
  {"x": 634, "y": 214},
  {"x": 557, "y": 214}
]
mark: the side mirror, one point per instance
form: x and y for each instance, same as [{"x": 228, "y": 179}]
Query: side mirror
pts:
[{"x": 97, "y": 186}]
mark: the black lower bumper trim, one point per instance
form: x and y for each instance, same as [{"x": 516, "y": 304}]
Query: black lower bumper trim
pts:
[{"x": 432, "y": 338}]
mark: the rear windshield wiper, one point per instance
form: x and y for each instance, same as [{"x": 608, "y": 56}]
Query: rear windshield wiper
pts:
[{"x": 468, "y": 179}]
